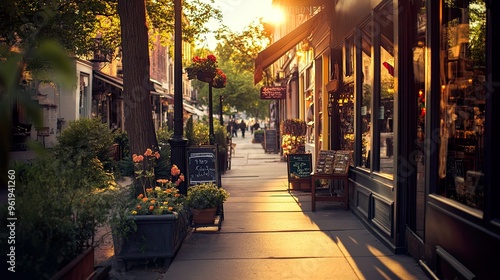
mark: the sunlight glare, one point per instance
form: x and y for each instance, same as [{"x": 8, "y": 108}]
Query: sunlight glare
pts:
[{"x": 275, "y": 15}]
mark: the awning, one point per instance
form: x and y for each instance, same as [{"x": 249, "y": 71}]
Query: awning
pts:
[
  {"x": 279, "y": 48},
  {"x": 114, "y": 81},
  {"x": 191, "y": 109}
]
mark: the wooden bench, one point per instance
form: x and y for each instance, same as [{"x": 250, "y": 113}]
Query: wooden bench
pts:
[{"x": 338, "y": 190}]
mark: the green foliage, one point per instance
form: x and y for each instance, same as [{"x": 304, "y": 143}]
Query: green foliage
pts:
[
  {"x": 189, "y": 130},
  {"x": 57, "y": 214},
  {"x": 200, "y": 134},
  {"x": 206, "y": 195},
  {"x": 163, "y": 135},
  {"x": 121, "y": 138},
  {"x": 84, "y": 140},
  {"x": 75, "y": 24},
  {"x": 220, "y": 137},
  {"x": 200, "y": 131}
]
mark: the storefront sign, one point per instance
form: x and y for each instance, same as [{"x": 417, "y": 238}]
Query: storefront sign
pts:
[{"x": 276, "y": 92}]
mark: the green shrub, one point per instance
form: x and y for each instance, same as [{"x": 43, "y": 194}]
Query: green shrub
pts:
[
  {"x": 220, "y": 137},
  {"x": 84, "y": 140},
  {"x": 59, "y": 206},
  {"x": 200, "y": 135}
]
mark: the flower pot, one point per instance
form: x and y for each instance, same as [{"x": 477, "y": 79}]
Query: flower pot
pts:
[
  {"x": 206, "y": 77},
  {"x": 204, "y": 216},
  {"x": 157, "y": 236}
]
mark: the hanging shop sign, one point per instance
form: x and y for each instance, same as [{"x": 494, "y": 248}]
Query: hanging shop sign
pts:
[{"x": 273, "y": 92}]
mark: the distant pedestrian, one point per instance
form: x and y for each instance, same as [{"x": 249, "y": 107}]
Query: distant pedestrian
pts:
[
  {"x": 243, "y": 127},
  {"x": 234, "y": 128}
]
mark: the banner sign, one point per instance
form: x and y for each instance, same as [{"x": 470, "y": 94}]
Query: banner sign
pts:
[{"x": 276, "y": 92}]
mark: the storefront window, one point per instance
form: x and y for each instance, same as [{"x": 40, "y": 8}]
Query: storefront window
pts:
[
  {"x": 385, "y": 114},
  {"x": 366, "y": 95},
  {"x": 419, "y": 55},
  {"x": 462, "y": 103}
]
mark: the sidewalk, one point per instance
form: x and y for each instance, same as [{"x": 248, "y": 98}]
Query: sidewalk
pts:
[{"x": 269, "y": 234}]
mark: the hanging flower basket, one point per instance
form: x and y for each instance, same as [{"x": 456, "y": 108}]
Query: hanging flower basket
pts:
[
  {"x": 204, "y": 69},
  {"x": 206, "y": 77},
  {"x": 220, "y": 79},
  {"x": 218, "y": 84}
]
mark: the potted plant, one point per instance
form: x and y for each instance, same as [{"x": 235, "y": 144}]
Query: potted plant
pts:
[
  {"x": 152, "y": 224},
  {"x": 220, "y": 79},
  {"x": 202, "y": 68},
  {"x": 203, "y": 201}
]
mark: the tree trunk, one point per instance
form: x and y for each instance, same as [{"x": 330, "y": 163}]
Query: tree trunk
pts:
[{"x": 136, "y": 79}]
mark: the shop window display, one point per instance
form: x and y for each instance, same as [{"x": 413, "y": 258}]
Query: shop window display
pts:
[
  {"x": 385, "y": 113},
  {"x": 462, "y": 103}
]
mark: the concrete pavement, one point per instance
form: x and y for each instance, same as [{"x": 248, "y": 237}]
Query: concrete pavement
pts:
[{"x": 269, "y": 233}]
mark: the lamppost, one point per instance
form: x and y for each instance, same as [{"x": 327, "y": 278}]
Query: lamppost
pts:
[
  {"x": 211, "y": 135},
  {"x": 221, "y": 98},
  {"x": 178, "y": 142}
]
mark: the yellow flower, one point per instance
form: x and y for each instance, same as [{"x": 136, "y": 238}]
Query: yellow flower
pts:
[{"x": 134, "y": 212}]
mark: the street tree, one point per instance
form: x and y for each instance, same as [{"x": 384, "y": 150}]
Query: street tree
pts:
[{"x": 76, "y": 24}]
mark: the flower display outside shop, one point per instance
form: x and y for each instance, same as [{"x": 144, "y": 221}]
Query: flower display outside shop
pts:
[
  {"x": 292, "y": 144},
  {"x": 201, "y": 64},
  {"x": 220, "y": 79},
  {"x": 293, "y": 139},
  {"x": 160, "y": 198}
]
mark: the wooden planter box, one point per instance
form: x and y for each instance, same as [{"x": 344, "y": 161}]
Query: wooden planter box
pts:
[
  {"x": 82, "y": 267},
  {"x": 157, "y": 236}
]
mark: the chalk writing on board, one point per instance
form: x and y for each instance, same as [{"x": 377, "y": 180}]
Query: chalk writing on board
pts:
[
  {"x": 299, "y": 165},
  {"x": 202, "y": 164}
]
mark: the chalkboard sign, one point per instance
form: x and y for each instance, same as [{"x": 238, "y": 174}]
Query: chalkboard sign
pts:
[
  {"x": 202, "y": 165},
  {"x": 270, "y": 144},
  {"x": 299, "y": 166}
]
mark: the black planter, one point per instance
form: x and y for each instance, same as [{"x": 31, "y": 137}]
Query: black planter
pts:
[{"x": 157, "y": 236}]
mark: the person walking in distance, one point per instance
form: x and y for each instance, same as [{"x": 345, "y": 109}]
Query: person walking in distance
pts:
[{"x": 243, "y": 127}]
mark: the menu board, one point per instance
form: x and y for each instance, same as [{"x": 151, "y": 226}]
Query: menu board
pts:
[
  {"x": 299, "y": 166},
  {"x": 202, "y": 164},
  {"x": 270, "y": 141},
  {"x": 342, "y": 161},
  {"x": 333, "y": 162},
  {"x": 324, "y": 164}
]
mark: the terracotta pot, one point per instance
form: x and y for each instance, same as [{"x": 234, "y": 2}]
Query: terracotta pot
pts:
[
  {"x": 206, "y": 77},
  {"x": 204, "y": 216}
]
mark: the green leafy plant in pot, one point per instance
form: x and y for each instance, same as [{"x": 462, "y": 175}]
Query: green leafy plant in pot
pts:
[{"x": 203, "y": 198}]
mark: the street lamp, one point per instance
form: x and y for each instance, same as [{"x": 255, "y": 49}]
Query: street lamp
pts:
[
  {"x": 211, "y": 135},
  {"x": 178, "y": 142},
  {"x": 221, "y": 98}
]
